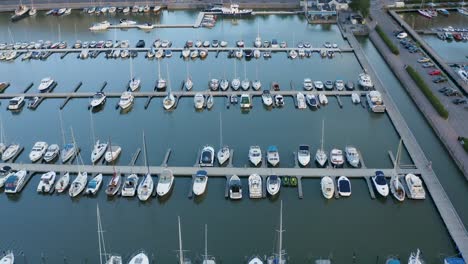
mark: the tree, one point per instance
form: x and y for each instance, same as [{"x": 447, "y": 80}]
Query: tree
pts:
[{"x": 362, "y": 6}]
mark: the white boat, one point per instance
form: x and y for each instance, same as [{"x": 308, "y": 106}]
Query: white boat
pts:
[
  {"x": 416, "y": 190},
  {"x": 355, "y": 98},
  {"x": 45, "y": 84},
  {"x": 134, "y": 84},
  {"x": 214, "y": 84},
  {"x": 255, "y": 186},
  {"x": 130, "y": 186},
  {"x": 397, "y": 189},
  {"x": 140, "y": 258},
  {"x": 200, "y": 182},
  {"x": 94, "y": 185},
  {"x": 47, "y": 182},
  {"x": 207, "y": 156},
  {"x": 145, "y": 188},
  {"x": 127, "y": 23},
  {"x": 273, "y": 185},
  {"x": 308, "y": 85},
  {"x": 224, "y": 84},
  {"x": 10, "y": 152},
  {"x": 318, "y": 85},
  {"x": 112, "y": 153},
  {"x": 38, "y": 151},
  {"x": 328, "y": 187},
  {"x": 145, "y": 26},
  {"x": 104, "y": 25},
  {"x": 126, "y": 100},
  {"x": 98, "y": 151},
  {"x": 255, "y": 155},
  {"x": 99, "y": 99},
  {"x": 323, "y": 100},
  {"x": 340, "y": 85},
  {"x": 256, "y": 85},
  {"x": 165, "y": 182},
  {"x": 9, "y": 258},
  {"x": 255, "y": 260},
  {"x": 336, "y": 157},
  {"x": 245, "y": 84},
  {"x": 16, "y": 103},
  {"x": 78, "y": 185},
  {"x": 114, "y": 184},
  {"x": 352, "y": 156},
  {"x": 235, "y": 188},
  {"x": 279, "y": 257},
  {"x": 415, "y": 258},
  {"x": 223, "y": 155},
  {"x": 279, "y": 100},
  {"x": 365, "y": 81},
  {"x": 5, "y": 171},
  {"x": 235, "y": 84},
  {"x": 267, "y": 98},
  {"x": 169, "y": 101},
  {"x": 344, "y": 186},
  {"x": 161, "y": 84},
  {"x": 257, "y": 53},
  {"x": 258, "y": 42},
  {"x": 273, "y": 156},
  {"x": 301, "y": 101},
  {"x": 303, "y": 155},
  {"x": 209, "y": 102},
  {"x": 199, "y": 101},
  {"x": 380, "y": 183},
  {"x": 292, "y": 54},
  {"x": 245, "y": 101},
  {"x": 21, "y": 11},
  {"x": 374, "y": 99},
  {"x": 186, "y": 53},
  {"x": 15, "y": 182},
  {"x": 62, "y": 183},
  {"x": 188, "y": 84}
]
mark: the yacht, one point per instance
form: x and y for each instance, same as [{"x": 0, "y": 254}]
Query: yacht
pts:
[
  {"x": 256, "y": 85},
  {"x": 308, "y": 85},
  {"x": 374, "y": 99},
  {"x": 318, "y": 85},
  {"x": 62, "y": 183},
  {"x": 139, "y": 258},
  {"x": 186, "y": 53},
  {"x": 380, "y": 183},
  {"x": 328, "y": 85},
  {"x": 255, "y": 260},
  {"x": 100, "y": 26},
  {"x": 15, "y": 182},
  {"x": 45, "y": 84},
  {"x": 214, "y": 84},
  {"x": 10, "y": 152},
  {"x": 9, "y": 258},
  {"x": 169, "y": 101},
  {"x": 301, "y": 101},
  {"x": 200, "y": 182},
  {"x": 235, "y": 84},
  {"x": 112, "y": 153},
  {"x": 188, "y": 84},
  {"x": 255, "y": 186},
  {"x": 344, "y": 186},
  {"x": 328, "y": 187},
  {"x": 224, "y": 84},
  {"x": 258, "y": 42},
  {"x": 165, "y": 182},
  {"x": 5, "y": 171},
  {"x": 207, "y": 156},
  {"x": 245, "y": 101},
  {"x": 3, "y": 86},
  {"x": 312, "y": 101},
  {"x": 21, "y": 12},
  {"x": 273, "y": 156},
  {"x": 273, "y": 184},
  {"x": 352, "y": 156},
  {"x": 365, "y": 81},
  {"x": 130, "y": 185},
  {"x": 223, "y": 155},
  {"x": 114, "y": 184},
  {"x": 98, "y": 151},
  {"x": 255, "y": 155},
  {"x": 416, "y": 190},
  {"x": 94, "y": 185},
  {"x": 209, "y": 102},
  {"x": 78, "y": 185},
  {"x": 340, "y": 85},
  {"x": 303, "y": 155},
  {"x": 199, "y": 101},
  {"x": 145, "y": 188},
  {"x": 266, "y": 98},
  {"x": 235, "y": 188},
  {"x": 134, "y": 84},
  {"x": 397, "y": 189},
  {"x": 161, "y": 84},
  {"x": 38, "y": 151},
  {"x": 415, "y": 258},
  {"x": 127, "y": 23},
  {"x": 16, "y": 103},
  {"x": 323, "y": 100},
  {"x": 292, "y": 54},
  {"x": 355, "y": 98},
  {"x": 349, "y": 86},
  {"x": 245, "y": 84},
  {"x": 336, "y": 157},
  {"x": 279, "y": 100},
  {"x": 257, "y": 53},
  {"x": 126, "y": 100},
  {"x": 99, "y": 99}
]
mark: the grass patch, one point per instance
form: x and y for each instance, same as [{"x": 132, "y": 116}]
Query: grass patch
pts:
[
  {"x": 387, "y": 40},
  {"x": 465, "y": 144},
  {"x": 428, "y": 93}
]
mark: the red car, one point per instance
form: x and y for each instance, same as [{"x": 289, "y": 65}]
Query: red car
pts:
[{"x": 435, "y": 72}]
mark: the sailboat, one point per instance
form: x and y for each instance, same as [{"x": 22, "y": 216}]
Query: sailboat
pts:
[
  {"x": 207, "y": 259},
  {"x": 256, "y": 84},
  {"x": 146, "y": 186},
  {"x": 182, "y": 259},
  {"x": 108, "y": 258},
  {"x": 245, "y": 84},
  {"x": 134, "y": 83},
  {"x": 258, "y": 39},
  {"x": 79, "y": 183},
  {"x": 188, "y": 82},
  {"x": 116, "y": 181},
  {"x": 2, "y": 137},
  {"x": 279, "y": 257},
  {"x": 99, "y": 148},
  {"x": 396, "y": 187},
  {"x": 161, "y": 82},
  {"x": 32, "y": 11},
  {"x": 462, "y": 9},
  {"x": 169, "y": 101},
  {"x": 69, "y": 149},
  {"x": 320, "y": 155},
  {"x": 235, "y": 83},
  {"x": 224, "y": 152},
  {"x": 424, "y": 12}
]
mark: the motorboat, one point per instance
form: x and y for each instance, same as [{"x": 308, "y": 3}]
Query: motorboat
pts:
[
  {"x": 318, "y": 85},
  {"x": 194, "y": 54},
  {"x": 100, "y": 26},
  {"x": 245, "y": 101},
  {"x": 189, "y": 84},
  {"x": 312, "y": 101},
  {"x": 78, "y": 185},
  {"x": 340, "y": 85},
  {"x": 258, "y": 42},
  {"x": 425, "y": 13},
  {"x": 5, "y": 171},
  {"x": 126, "y": 100},
  {"x": 273, "y": 156},
  {"x": 112, "y": 153},
  {"x": 161, "y": 84},
  {"x": 98, "y": 151},
  {"x": 279, "y": 100},
  {"x": 349, "y": 85},
  {"x": 255, "y": 260},
  {"x": 257, "y": 53},
  {"x": 344, "y": 186},
  {"x": 146, "y": 26},
  {"x": 62, "y": 184},
  {"x": 209, "y": 102},
  {"x": 114, "y": 184},
  {"x": 199, "y": 101},
  {"x": 134, "y": 84},
  {"x": 46, "y": 84},
  {"x": 380, "y": 183},
  {"x": 416, "y": 190},
  {"x": 415, "y": 258},
  {"x": 8, "y": 258},
  {"x": 255, "y": 186},
  {"x": 336, "y": 157},
  {"x": 355, "y": 98},
  {"x": 292, "y": 54},
  {"x": 38, "y": 150},
  {"x": 3, "y": 86},
  {"x": 256, "y": 85},
  {"x": 15, "y": 182},
  {"x": 145, "y": 188},
  {"x": 200, "y": 182},
  {"x": 308, "y": 85},
  {"x": 207, "y": 156},
  {"x": 165, "y": 182},
  {"x": 224, "y": 84},
  {"x": 223, "y": 155},
  {"x": 214, "y": 84},
  {"x": 139, "y": 258},
  {"x": 235, "y": 84},
  {"x": 245, "y": 84},
  {"x": 239, "y": 54},
  {"x": 328, "y": 187},
  {"x": 323, "y": 100},
  {"x": 303, "y": 155},
  {"x": 397, "y": 189},
  {"x": 374, "y": 99},
  {"x": 365, "y": 81},
  {"x": 255, "y": 155},
  {"x": 99, "y": 99},
  {"x": 47, "y": 182},
  {"x": 186, "y": 53},
  {"x": 267, "y": 98},
  {"x": 94, "y": 185},
  {"x": 352, "y": 156},
  {"x": 301, "y": 101},
  {"x": 169, "y": 101},
  {"x": 16, "y": 103},
  {"x": 328, "y": 85},
  {"x": 11, "y": 151},
  {"x": 235, "y": 188},
  {"x": 273, "y": 184},
  {"x": 127, "y": 23},
  {"x": 130, "y": 186}
]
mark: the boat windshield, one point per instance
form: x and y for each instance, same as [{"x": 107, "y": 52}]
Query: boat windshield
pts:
[
  {"x": 380, "y": 180},
  {"x": 273, "y": 179},
  {"x": 344, "y": 186}
]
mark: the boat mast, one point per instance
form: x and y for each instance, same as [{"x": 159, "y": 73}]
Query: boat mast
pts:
[
  {"x": 323, "y": 125},
  {"x": 280, "y": 234},
  {"x": 181, "y": 253},
  {"x": 220, "y": 131},
  {"x": 61, "y": 127},
  {"x": 397, "y": 159},
  {"x": 2, "y": 133},
  {"x": 206, "y": 243},
  {"x": 131, "y": 68},
  {"x": 92, "y": 125},
  {"x": 144, "y": 149},
  {"x": 235, "y": 69},
  {"x": 99, "y": 233},
  {"x": 168, "y": 78},
  {"x": 59, "y": 33},
  {"x": 159, "y": 70},
  {"x": 245, "y": 71}
]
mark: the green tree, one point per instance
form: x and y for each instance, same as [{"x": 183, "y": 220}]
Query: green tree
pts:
[{"x": 362, "y": 6}]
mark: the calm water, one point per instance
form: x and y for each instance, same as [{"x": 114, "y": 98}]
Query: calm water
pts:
[
  {"x": 451, "y": 51},
  {"x": 315, "y": 227}
]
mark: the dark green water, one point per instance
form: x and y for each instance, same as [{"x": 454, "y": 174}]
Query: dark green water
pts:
[{"x": 58, "y": 226}]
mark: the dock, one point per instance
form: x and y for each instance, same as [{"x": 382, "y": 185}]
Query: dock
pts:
[{"x": 69, "y": 97}]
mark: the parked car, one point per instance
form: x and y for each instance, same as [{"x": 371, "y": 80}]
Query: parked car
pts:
[
  {"x": 459, "y": 101},
  {"x": 435, "y": 72},
  {"x": 439, "y": 79},
  {"x": 428, "y": 65},
  {"x": 444, "y": 89}
]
